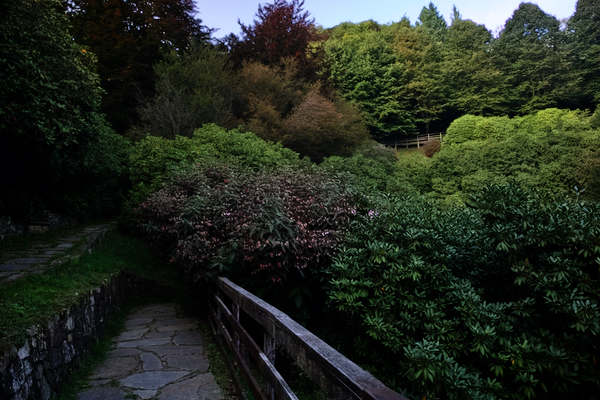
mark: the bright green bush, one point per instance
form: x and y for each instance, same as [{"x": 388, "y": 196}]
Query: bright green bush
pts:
[
  {"x": 370, "y": 168},
  {"x": 553, "y": 150},
  {"x": 495, "y": 300},
  {"x": 470, "y": 127},
  {"x": 155, "y": 160}
]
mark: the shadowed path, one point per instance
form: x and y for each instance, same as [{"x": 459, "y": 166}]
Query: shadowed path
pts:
[
  {"x": 42, "y": 256},
  {"x": 158, "y": 356}
]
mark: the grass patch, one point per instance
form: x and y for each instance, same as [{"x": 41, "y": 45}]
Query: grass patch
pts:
[
  {"x": 410, "y": 154},
  {"x": 37, "y": 297}
]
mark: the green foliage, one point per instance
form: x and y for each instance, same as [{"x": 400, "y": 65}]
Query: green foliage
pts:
[
  {"x": 470, "y": 127},
  {"x": 584, "y": 30},
  {"x": 364, "y": 66},
  {"x": 419, "y": 49},
  {"x": 49, "y": 88},
  {"x": 370, "y": 168},
  {"x": 54, "y": 144},
  {"x": 155, "y": 160},
  {"x": 531, "y": 51},
  {"x": 432, "y": 21},
  {"x": 553, "y": 150},
  {"x": 192, "y": 88},
  {"x": 474, "y": 84},
  {"x": 497, "y": 300}
]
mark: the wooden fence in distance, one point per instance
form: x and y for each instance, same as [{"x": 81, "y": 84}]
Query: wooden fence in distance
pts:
[
  {"x": 414, "y": 141},
  {"x": 337, "y": 376}
]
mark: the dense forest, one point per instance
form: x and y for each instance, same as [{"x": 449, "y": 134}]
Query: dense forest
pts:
[{"x": 468, "y": 269}]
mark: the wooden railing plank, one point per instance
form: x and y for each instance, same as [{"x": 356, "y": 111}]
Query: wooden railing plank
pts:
[
  {"x": 244, "y": 368},
  {"x": 333, "y": 372},
  {"x": 231, "y": 365},
  {"x": 280, "y": 386}
]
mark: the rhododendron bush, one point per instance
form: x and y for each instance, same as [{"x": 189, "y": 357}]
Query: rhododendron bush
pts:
[{"x": 216, "y": 219}]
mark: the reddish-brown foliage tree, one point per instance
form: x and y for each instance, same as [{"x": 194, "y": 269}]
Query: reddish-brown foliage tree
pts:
[
  {"x": 282, "y": 29},
  {"x": 127, "y": 37}
]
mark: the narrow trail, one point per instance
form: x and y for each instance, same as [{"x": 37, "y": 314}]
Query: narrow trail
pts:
[
  {"x": 43, "y": 255},
  {"x": 158, "y": 356}
]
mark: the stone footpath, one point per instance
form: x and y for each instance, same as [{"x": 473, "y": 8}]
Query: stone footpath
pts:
[
  {"x": 44, "y": 255},
  {"x": 158, "y": 356}
]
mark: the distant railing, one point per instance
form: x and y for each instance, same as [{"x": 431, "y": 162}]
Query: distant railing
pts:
[
  {"x": 414, "y": 141},
  {"x": 336, "y": 376}
]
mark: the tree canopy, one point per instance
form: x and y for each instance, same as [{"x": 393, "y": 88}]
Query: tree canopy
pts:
[{"x": 127, "y": 37}]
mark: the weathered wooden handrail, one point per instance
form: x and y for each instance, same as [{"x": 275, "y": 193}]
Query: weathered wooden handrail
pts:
[
  {"x": 337, "y": 376},
  {"x": 417, "y": 141}
]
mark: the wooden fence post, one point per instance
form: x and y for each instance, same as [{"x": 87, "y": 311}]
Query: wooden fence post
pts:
[{"x": 269, "y": 347}]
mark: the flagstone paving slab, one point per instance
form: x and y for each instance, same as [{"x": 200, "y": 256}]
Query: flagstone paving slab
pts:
[
  {"x": 117, "y": 368},
  {"x": 151, "y": 362},
  {"x": 152, "y": 380},
  {"x": 162, "y": 358},
  {"x": 102, "y": 393},
  {"x": 135, "y": 334}
]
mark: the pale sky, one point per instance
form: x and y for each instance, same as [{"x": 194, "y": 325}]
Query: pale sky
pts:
[{"x": 224, "y": 14}]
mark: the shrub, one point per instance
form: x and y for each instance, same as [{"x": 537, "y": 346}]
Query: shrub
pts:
[
  {"x": 431, "y": 148},
  {"x": 216, "y": 219},
  {"x": 371, "y": 166},
  {"x": 155, "y": 160},
  {"x": 470, "y": 127},
  {"x": 192, "y": 88},
  {"x": 553, "y": 150},
  {"x": 497, "y": 300}
]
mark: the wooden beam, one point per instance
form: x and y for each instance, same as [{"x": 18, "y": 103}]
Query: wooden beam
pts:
[
  {"x": 331, "y": 371},
  {"x": 231, "y": 365},
  {"x": 250, "y": 380},
  {"x": 280, "y": 386}
]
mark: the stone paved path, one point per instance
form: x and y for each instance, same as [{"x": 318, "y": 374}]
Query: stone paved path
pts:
[
  {"x": 158, "y": 356},
  {"x": 43, "y": 255}
]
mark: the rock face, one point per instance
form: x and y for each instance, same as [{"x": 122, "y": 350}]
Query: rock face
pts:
[{"x": 32, "y": 370}]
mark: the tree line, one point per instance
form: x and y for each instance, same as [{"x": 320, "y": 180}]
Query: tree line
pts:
[{"x": 403, "y": 77}]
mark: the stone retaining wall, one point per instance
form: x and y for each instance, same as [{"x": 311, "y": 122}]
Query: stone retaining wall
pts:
[{"x": 34, "y": 369}]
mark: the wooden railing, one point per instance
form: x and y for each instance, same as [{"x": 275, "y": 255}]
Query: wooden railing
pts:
[
  {"x": 414, "y": 141},
  {"x": 336, "y": 376}
]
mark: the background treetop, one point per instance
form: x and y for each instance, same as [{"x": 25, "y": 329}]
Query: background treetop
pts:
[
  {"x": 282, "y": 29},
  {"x": 127, "y": 37}
]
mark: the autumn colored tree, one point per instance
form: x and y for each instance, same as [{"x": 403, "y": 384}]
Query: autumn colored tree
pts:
[
  {"x": 282, "y": 29},
  {"x": 127, "y": 37},
  {"x": 281, "y": 106}
]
